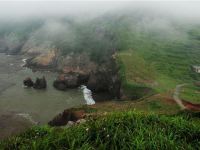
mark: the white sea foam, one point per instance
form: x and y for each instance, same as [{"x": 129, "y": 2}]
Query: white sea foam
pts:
[
  {"x": 87, "y": 95},
  {"x": 24, "y": 62},
  {"x": 28, "y": 117}
]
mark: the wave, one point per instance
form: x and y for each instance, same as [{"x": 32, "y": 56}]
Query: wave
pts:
[
  {"x": 87, "y": 95},
  {"x": 24, "y": 62},
  {"x": 27, "y": 117}
]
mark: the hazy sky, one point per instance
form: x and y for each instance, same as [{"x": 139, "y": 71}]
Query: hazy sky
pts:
[{"x": 23, "y": 9}]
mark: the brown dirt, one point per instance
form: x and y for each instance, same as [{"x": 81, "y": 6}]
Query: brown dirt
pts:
[
  {"x": 68, "y": 115},
  {"x": 191, "y": 106},
  {"x": 165, "y": 97}
]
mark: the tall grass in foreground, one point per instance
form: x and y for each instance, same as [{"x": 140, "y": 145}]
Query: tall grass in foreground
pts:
[{"x": 127, "y": 130}]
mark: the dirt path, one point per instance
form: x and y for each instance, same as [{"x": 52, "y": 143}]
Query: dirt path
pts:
[{"x": 176, "y": 96}]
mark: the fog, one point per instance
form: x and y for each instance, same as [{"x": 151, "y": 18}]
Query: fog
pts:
[
  {"x": 188, "y": 11},
  {"x": 76, "y": 26}
]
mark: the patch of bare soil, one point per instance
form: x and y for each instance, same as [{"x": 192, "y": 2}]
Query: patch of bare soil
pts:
[
  {"x": 67, "y": 115},
  {"x": 191, "y": 106}
]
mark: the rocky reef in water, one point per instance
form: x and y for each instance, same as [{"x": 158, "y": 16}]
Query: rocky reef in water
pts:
[{"x": 40, "y": 83}]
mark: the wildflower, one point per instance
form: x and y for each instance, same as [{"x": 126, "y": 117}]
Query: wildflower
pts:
[
  {"x": 108, "y": 136},
  {"x": 87, "y": 129}
]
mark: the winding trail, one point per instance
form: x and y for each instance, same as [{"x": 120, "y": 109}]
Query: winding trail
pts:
[{"x": 176, "y": 96}]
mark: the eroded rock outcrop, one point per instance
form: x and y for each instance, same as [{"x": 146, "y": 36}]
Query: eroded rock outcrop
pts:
[
  {"x": 75, "y": 68},
  {"x": 68, "y": 115},
  {"x": 40, "y": 83},
  {"x": 105, "y": 78},
  {"x": 79, "y": 69},
  {"x": 47, "y": 60},
  {"x": 28, "y": 82}
]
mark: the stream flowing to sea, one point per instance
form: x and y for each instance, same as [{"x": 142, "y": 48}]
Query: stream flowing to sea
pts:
[{"x": 38, "y": 105}]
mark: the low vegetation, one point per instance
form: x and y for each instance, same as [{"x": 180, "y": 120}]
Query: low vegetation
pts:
[
  {"x": 160, "y": 62},
  {"x": 127, "y": 130},
  {"x": 191, "y": 93}
]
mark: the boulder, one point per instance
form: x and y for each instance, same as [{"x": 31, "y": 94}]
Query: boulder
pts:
[
  {"x": 68, "y": 115},
  {"x": 28, "y": 82},
  {"x": 70, "y": 123},
  {"x": 40, "y": 83},
  {"x": 80, "y": 121},
  {"x": 60, "y": 85}
]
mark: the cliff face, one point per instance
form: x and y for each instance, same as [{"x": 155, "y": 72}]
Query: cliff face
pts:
[{"x": 78, "y": 69}]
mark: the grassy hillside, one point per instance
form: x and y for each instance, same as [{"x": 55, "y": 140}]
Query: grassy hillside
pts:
[
  {"x": 158, "y": 59},
  {"x": 127, "y": 130},
  {"x": 191, "y": 93}
]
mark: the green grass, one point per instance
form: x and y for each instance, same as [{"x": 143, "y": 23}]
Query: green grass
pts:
[
  {"x": 127, "y": 130},
  {"x": 161, "y": 62},
  {"x": 136, "y": 69},
  {"x": 136, "y": 75},
  {"x": 190, "y": 93},
  {"x": 154, "y": 105}
]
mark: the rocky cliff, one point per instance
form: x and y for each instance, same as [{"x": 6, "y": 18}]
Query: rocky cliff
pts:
[{"x": 78, "y": 69}]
